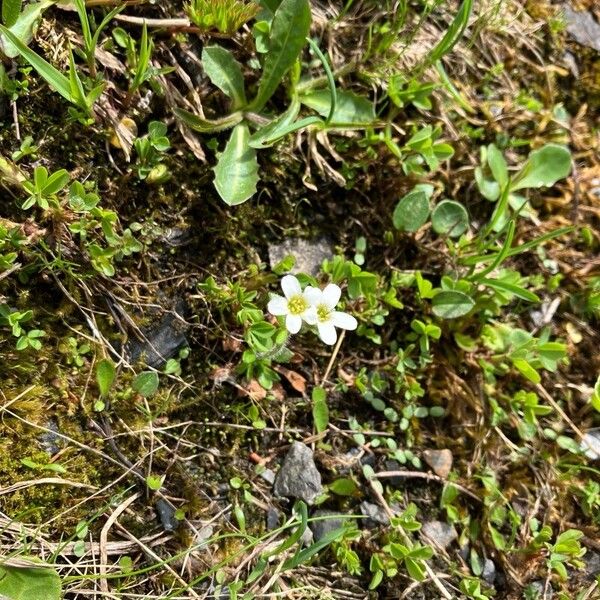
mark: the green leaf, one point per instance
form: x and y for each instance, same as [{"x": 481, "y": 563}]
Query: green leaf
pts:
[
  {"x": 290, "y": 26},
  {"x": 11, "y": 9},
  {"x": 453, "y": 33},
  {"x": 146, "y": 383},
  {"x": 236, "y": 172},
  {"x": 451, "y": 304},
  {"x": 225, "y": 72},
  {"x": 543, "y": 168},
  {"x": 343, "y": 486},
  {"x": 515, "y": 290},
  {"x": 350, "y": 109},
  {"x": 53, "y": 76},
  {"x": 17, "y": 583},
  {"x": 154, "y": 482},
  {"x": 526, "y": 370},
  {"x": 206, "y": 125},
  {"x": 23, "y": 28},
  {"x": 56, "y": 182},
  {"x": 105, "y": 375},
  {"x": 320, "y": 409},
  {"x": 412, "y": 211},
  {"x": 497, "y": 165},
  {"x": 450, "y": 218},
  {"x": 281, "y": 132}
]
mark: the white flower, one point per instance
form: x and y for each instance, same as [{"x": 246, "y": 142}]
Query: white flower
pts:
[
  {"x": 325, "y": 317},
  {"x": 295, "y": 306}
]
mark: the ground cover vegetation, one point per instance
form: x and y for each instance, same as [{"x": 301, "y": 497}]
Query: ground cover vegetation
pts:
[{"x": 299, "y": 299}]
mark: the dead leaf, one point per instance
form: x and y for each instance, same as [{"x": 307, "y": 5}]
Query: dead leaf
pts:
[{"x": 296, "y": 380}]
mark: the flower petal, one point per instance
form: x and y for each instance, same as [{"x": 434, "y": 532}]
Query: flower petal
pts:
[
  {"x": 293, "y": 323},
  {"x": 277, "y": 305},
  {"x": 313, "y": 295},
  {"x": 290, "y": 286},
  {"x": 327, "y": 333},
  {"x": 331, "y": 295},
  {"x": 310, "y": 315},
  {"x": 343, "y": 320}
]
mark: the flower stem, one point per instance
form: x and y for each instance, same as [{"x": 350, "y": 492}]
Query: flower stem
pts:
[{"x": 333, "y": 356}]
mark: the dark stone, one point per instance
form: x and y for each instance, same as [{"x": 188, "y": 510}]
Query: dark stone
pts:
[
  {"x": 583, "y": 28},
  {"x": 394, "y": 465},
  {"x": 49, "y": 440},
  {"x": 332, "y": 521},
  {"x": 375, "y": 513},
  {"x": 166, "y": 514},
  {"x": 272, "y": 519},
  {"x": 298, "y": 476},
  {"x": 162, "y": 340}
]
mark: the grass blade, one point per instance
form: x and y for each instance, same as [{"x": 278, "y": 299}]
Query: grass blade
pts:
[{"x": 55, "y": 79}]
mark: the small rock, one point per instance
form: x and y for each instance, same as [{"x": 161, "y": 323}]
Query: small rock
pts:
[
  {"x": 307, "y": 537},
  {"x": 328, "y": 521},
  {"x": 49, "y": 440},
  {"x": 590, "y": 444},
  {"x": 376, "y": 515},
  {"x": 571, "y": 63},
  {"x": 309, "y": 254},
  {"x": 268, "y": 475},
  {"x": 582, "y": 27},
  {"x": 272, "y": 518},
  {"x": 162, "y": 340},
  {"x": 298, "y": 476},
  {"x": 538, "y": 587},
  {"x": 205, "y": 532},
  {"x": 166, "y": 514},
  {"x": 439, "y": 533},
  {"x": 440, "y": 461},
  {"x": 489, "y": 571}
]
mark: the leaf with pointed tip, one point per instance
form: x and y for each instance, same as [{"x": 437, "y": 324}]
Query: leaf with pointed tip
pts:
[
  {"x": 23, "y": 28},
  {"x": 225, "y": 72},
  {"x": 53, "y": 76},
  {"x": 290, "y": 26},
  {"x": 236, "y": 172}
]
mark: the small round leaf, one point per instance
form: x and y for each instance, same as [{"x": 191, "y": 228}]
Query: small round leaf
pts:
[
  {"x": 450, "y": 218},
  {"x": 450, "y": 304}
]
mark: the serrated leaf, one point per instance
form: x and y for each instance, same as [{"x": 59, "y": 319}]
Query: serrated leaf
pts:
[
  {"x": 451, "y": 304},
  {"x": 289, "y": 28},
  {"x": 146, "y": 383},
  {"x": 225, "y": 72},
  {"x": 543, "y": 168},
  {"x": 236, "y": 172},
  {"x": 17, "y": 583}
]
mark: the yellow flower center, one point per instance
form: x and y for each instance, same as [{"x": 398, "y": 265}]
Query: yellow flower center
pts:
[
  {"x": 323, "y": 313},
  {"x": 297, "y": 305}
]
